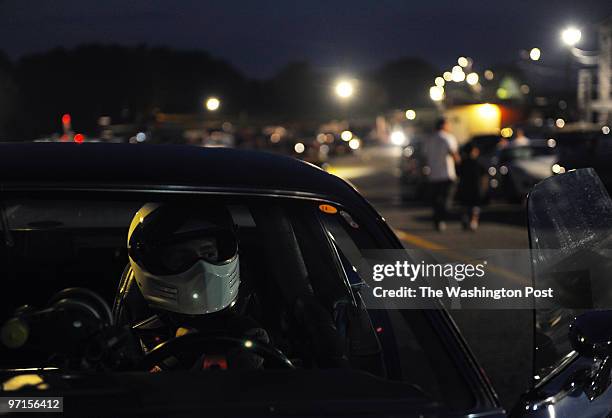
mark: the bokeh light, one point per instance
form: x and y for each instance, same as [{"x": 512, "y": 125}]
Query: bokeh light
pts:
[
  {"x": 398, "y": 138},
  {"x": 212, "y": 104},
  {"x": 436, "y": 93},
  {"x": 345, "y": 89},
  {"x": 506, "y": 132},
  {"x": 571, "y": 36},
  {"x": 354, "y": 144},
  {"x": 299, "y": 148},
  {"x": 535, "y": 54},
  {"x": 458, "y": 74},
  {"x": 488, "y": 111},
  {"x": 472, "y": 79}
]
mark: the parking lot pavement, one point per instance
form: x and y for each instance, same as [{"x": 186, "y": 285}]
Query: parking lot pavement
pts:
[{"x": 501, "y": 339}]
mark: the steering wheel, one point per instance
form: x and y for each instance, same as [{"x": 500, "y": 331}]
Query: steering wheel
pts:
[{"x": 188, "y": 348}]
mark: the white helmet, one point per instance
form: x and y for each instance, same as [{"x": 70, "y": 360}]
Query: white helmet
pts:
[{"x": 184, "y": 259}]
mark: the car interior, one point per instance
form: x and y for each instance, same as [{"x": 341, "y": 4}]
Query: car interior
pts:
[{"x": 296, "y": 281}]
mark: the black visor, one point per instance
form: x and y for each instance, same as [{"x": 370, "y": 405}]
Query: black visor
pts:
[{"x": 170, "y": 243}]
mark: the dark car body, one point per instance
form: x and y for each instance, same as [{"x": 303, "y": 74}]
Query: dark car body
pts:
[
  {"x": 514, "y": 170},
  {"x": 581, "y": 149},
  {"x": 122, "y": 168}
]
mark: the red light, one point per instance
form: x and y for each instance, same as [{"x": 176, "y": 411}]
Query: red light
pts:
[
  {"x": 379, "y": 330},
  {"x": 79, "y": 138},
  {"x": 66, "y": 119}
]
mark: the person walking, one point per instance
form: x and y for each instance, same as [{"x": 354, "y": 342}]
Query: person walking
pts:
[
  {"x": 441, "y": 154},
  {"x": 470, "y": 192}
]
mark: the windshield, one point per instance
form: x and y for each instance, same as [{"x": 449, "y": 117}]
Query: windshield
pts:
[
  {"x": 293, "y": 284},
  {"x": 570, "y": 232}
]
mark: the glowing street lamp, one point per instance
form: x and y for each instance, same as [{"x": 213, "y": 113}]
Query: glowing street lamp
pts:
[
  {"x": 212, "y": 104},
  {"x": 571, "y": 36},
  {"x": 346, "y": 136},
  {"x": 398, "y": 138},
  {"x": 535, "y": 54},
  {"x": 410, "y": 114},
  {"x": 457, "y": 74},
  {"x": 344, "y": 89},
  {"x": 436, "y": 93},
  {"x": 472, "y": 79}
]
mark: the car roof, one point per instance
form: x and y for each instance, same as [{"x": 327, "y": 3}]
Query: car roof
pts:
[{"x": 133, "y": 165}]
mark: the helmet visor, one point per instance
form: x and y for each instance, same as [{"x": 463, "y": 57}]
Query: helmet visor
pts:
[{"x": 178, "y": 252}]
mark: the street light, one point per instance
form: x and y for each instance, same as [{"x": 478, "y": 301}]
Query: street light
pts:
[
  {"x": 571, "y": 36},
  {"x": 535, "y": 54},
  {"x": 398, "y": 138},
  {"x": 344, "y": 89},
  {"x": 457, "y": 74},
  {"x": 410, "y": 114},
  {"x": 472, "y": 79},
  {"x": 436, "y": 93},
  {"x": 212, "y": 104}
]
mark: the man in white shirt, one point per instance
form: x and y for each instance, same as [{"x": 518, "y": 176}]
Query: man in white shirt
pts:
[{"x": 441, "y": 153}]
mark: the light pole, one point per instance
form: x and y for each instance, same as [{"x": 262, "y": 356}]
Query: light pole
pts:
[{"x": 570, "y": 36}]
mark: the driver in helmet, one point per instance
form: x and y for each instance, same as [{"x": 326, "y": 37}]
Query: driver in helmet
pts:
[{"x": 185, "y": 263}]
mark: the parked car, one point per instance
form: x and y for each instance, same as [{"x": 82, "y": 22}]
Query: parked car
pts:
[
  {"x": 582, "y": 149},
  {"x": 514, "y": 170}
]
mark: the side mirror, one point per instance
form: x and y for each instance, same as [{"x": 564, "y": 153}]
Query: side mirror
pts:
[{"x": 591, "y": 334}]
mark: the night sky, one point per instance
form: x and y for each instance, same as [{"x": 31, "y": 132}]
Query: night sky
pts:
[{"x": 259, "y": 37}]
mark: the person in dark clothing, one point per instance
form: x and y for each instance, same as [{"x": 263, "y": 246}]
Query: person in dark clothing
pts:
[
  {"x": 471, "y": 191},
  {"x": 441, "y": 153}
]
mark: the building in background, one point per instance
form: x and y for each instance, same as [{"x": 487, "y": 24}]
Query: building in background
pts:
[{"x": 594, "y": 84}]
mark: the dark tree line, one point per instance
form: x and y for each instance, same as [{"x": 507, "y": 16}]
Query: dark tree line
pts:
[{"x": 131, "y": 83}]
